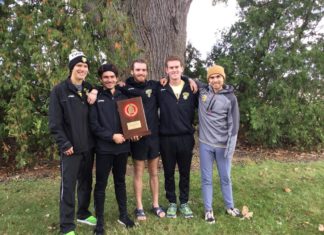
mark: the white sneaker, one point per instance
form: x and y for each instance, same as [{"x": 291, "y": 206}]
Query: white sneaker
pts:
[
  {"x": 209, "y": 217},
  {"x": 234, "y": 212}
]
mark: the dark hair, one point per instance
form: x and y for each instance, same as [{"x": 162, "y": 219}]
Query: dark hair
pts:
[
  {"x": 172, "y": 58},
  {"x": 141, "y": 61},
  {"x": 107, "y": 67}
]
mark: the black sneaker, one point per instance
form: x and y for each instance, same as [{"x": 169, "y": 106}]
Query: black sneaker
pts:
[{"x": 126, "y": 221}]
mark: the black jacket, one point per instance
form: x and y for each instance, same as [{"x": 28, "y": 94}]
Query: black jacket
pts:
[
  {"x": 148, "y": 92},
  {"x": 105, "y": 122},
  {"x": 68, "y": 117},
  {"x": 177, "y": 116}
]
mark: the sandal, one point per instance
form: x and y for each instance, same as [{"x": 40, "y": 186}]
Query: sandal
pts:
[
  {"x": 140, "y": 214},
  {"x": 158, "y": 211}
]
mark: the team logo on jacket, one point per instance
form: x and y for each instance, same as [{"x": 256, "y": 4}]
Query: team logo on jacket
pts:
[
  {"x": 185, "y": 95},
  {"x": 148, "y": 92},
  {"x": 204, "y": 98},
  {"x": 130, "y": 110}
]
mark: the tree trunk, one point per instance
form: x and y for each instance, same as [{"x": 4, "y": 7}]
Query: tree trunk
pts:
[{"x": 159, "y": 29}]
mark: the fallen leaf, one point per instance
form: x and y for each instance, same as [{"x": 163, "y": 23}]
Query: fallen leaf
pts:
[
  {"x": 5, "y": 147},
  {"x": 245, "y": 210},
  {"x": 287, "y": 190},
  {"x": 117, "y": 45},
  {"x": 321, "y": 228},
  {"x": 246, "y": 213}
]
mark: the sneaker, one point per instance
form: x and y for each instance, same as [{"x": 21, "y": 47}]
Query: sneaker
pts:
[
  {"x": 172, "y": 211},
  {"x": 91, "y": 220},
  {"x": 186, "y": 211},
  {"x": 234, "y": 212},
  {"x": 126, "y": 222},
  {"x": 70, "y": 233},
  {"x": 209, "y": 217}
]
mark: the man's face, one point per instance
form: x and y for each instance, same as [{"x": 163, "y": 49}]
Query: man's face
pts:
[
  {"x": 139, "y": 72},
  {"x": 174, "y": 69},
  {"x": 216, "y": 81},
  {"x": 80, "y": 71},
  {"x": 108, "y": 80}
]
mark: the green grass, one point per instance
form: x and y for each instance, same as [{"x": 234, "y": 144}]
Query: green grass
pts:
[{"x": 31, "y": 206}]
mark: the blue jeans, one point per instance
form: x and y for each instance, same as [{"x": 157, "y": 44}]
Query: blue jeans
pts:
[{"x": 207, "y": 156}]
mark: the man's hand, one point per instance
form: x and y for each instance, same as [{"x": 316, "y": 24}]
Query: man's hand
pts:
[
  {"x": 193, "y": 85},
  {"x": 121, "y": 83},
  {"x": 136, "y": 138},
  {"x": 118, "y": 138},
  {"x": 69, "y": 152},
  {"x": 92, "y": 96},
  {"x": 163, "y": 81}
]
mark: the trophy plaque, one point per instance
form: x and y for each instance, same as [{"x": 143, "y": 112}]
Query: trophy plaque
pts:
[{"x": 132, "y": 117}]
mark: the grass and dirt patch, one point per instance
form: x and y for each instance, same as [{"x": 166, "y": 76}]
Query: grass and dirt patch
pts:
[{"x": 285, "y": 198}]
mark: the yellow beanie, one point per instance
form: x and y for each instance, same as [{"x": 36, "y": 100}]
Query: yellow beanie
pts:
[{"x": 216, "y": 69}]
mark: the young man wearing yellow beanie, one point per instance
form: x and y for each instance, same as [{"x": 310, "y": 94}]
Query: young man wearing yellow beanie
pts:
[{"x": 218, "y": 129}]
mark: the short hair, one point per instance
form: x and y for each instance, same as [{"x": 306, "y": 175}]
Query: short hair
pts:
[
  {"x": 141, "y": 61},
  {"x": 107, "y": 67},
  {"x": 172, "y": 58}
]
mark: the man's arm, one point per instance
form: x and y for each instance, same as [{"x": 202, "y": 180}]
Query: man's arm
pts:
[
  {"x": 98, "y": 130},
  {"x": 56, "y": 120},
  {"x": 192, "y": 83},
  {"x": 233, "y": 122}
]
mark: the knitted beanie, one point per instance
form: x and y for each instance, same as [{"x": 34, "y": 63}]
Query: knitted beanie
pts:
[
  {"x": 216, "y": 69},
  {"x": 107, "y": 67},
  {"x": 77, "y": 57}
]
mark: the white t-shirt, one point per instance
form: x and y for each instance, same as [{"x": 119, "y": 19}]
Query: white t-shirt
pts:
[{"x": 177, "y": 89}]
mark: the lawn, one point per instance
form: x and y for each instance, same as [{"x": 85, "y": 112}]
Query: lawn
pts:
[{"x": 285, "y": 198}]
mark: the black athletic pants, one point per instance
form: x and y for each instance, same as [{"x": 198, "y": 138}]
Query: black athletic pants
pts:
[
  {"x": 104, "y": 164},
  {"x": 76, "y": 170},
  {"x": 177, "y": 150}
]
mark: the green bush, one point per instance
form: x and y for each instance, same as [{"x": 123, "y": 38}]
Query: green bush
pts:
[
  {"x": 276, "y": 63},
  {"x": 36, "y": 39}
]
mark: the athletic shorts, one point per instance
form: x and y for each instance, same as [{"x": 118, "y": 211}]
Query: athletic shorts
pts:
[{"x": 146, "y": 148}]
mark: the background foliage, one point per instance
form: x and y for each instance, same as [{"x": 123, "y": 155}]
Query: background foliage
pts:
[
  {"x": 36, "y": 39},
  {"x": 274, "y": 57}
]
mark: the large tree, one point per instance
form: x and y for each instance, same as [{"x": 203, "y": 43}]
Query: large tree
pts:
[{"x": 159, "y": 29}]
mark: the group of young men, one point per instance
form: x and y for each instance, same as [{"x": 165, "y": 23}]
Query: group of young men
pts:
[{"x": 84, "y": 120}]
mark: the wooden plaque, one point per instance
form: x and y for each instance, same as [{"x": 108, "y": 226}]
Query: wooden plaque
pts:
[{"x": 132, "y": 117}]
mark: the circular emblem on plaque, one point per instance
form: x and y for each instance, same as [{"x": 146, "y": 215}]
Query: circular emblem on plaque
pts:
[{"x": 130, "y": 110}]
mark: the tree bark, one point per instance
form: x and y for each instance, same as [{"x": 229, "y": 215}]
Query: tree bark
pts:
[{"x": 159, "y": 30}]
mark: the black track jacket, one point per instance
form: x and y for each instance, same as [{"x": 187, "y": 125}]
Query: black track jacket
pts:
[
  {"x": 177, "y": 116},
  {"x": 105, "y": 122},
  {"x": 68, "y": 117}
]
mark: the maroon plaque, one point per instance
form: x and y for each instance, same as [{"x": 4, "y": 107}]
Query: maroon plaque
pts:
[{"x": 132, "y": 117}]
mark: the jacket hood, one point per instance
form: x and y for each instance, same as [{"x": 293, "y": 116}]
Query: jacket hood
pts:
[
  {"x": 227, "y": 89},
  {"x": 131, "y": 81}
]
